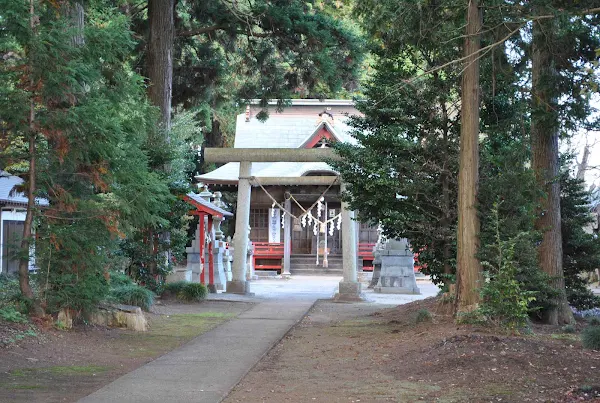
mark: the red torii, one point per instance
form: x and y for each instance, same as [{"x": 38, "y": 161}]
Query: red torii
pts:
[{"x": 204, "y": 208}]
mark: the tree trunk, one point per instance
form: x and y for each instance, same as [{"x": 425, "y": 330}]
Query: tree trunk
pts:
[
  {"x": 215, "y": 137},
  {"x": 446, "y": 219},
  {"x": 544, "y": 147},
  {"x": 583, "y": 165},
  {"x": 75, "y": 15},
  {"x": 160, "y": 57},
  {"x": 468, "y": 273},
  {"x": 160, "y": 73},
  {"x": 31, "y": 185}
]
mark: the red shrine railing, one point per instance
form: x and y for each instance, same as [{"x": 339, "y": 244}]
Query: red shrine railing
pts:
[
  {"x": 270, "y": 255},
  {"x": 271, "y": 252},
  {"x": 365, "y": 251}
]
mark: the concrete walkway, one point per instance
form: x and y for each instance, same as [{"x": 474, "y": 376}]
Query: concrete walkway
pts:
[{"x": 208, "y": 367}]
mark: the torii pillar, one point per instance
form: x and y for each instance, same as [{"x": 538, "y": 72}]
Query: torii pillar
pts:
[
  {"x": 349, "y": 288},
  {"x": 238, "y": 283}
]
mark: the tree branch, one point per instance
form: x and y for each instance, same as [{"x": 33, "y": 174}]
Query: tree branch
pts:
[{"x": 199, "y": 31}]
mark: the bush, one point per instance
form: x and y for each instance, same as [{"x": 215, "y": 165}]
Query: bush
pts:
[
  {"x": 80, "y": 292},
  {"x": 504, "y": 302},
  {"x": 119, "y": 279},
  {"x": 193, "y": 292},
  {"x": 133, "y": 294},
  {"x": 594, "y": 321},
  {"x": 568, "y": 329},
  {"x": 590, "y": 337},
  {"x": 10, "y": 314},
  {"x": 423, "y": 315},
  {"x": 173, "y": 289}
]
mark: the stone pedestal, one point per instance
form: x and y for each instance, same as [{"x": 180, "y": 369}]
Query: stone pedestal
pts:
[
  {"x": 194, "y": 266},
  {"x": 227, "y": 259},
  {"x": 349, "y": 291},
  {"x": 376, "y": 269},
  {"x": 397, "y": 274},
  {"x": 250, "y": 275},
  {"x": 220, "y": 278},
  {"x": 238, "y": 287}
]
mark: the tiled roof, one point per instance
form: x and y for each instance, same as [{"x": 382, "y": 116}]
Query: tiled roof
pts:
[
  {"x": 288, "y": 130},
  {"x": 284, "y": 131},
  {"x": 200, "y": 200},
  {"x": 7, "y": 196}
]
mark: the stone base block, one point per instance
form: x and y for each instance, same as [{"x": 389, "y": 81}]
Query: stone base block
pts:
[
  {"x": 348, "y": 292},
  {"x": 397, "y": 290},
  {"x": 238, "y": 287},
  {"x": 125, "y": 316}
]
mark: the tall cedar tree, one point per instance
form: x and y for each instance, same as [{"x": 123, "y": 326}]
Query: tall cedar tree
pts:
[
  {"x": 403, "y": 173},
  {"x": 468, "y": 267},
  {"x": 91, "y": 124},
  {"x": 560, "y": 46}
]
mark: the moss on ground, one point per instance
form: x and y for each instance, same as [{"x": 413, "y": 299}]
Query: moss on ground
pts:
[
  {"x": 168, "y": 332},
  {"x": 72, "y": 370}
]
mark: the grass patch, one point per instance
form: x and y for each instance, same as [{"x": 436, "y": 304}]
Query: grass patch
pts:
[
  {"x": 169, "y": 332},
  {"x": 24, "y": 387},
  {"x": 59, "y": 370},
  {"x": 565, "y": 336},
  {"x": 133, "y": 294},
  {"x": 423, "y": 316}
]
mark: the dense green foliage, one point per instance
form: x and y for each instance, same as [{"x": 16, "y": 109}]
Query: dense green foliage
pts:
[
  {"x": 123, "y": 290},
  {"x": 132, "y": 294},
  {"x": 92, "y": 127},
  {"x": 173, "y": 289},
  {"x": 76, "y": 122},
  {"x": 581, "y": 250},
  {"x": 403, "y": 171},
  {"x": 503, "y": 299},
  {"x": 192, "y": 292},
  {"x": 590, "y": 337}
]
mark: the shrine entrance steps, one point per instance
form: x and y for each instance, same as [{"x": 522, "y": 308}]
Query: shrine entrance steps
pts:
[{"x": 305, "y": 265}]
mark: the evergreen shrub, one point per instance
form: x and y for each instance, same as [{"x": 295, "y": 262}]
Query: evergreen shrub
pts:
[
  {"x": 80, "y": 292},
  {"x": 423, "y": 315},
  {"x": 594, "y": 321},
  {"x": 590, "y": 337},
  {"x": 119, "y": 279},
  {"x": 504, "y": 301},
  {"x": 193, "y": 292},
  {"x": 10, "y": 314},
  {"x": 133, "y": 294},
  {"x": 173, "y": 289}
]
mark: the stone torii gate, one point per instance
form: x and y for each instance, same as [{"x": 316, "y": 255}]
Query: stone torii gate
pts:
[{"x": 349, "y": 288}]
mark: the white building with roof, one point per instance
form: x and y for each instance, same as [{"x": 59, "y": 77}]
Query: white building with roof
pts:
[
  {"x": 302, "y": 219},
  {"x": 13, "y": 206}
]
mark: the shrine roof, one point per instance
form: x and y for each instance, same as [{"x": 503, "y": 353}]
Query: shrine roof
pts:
[
  {"x": 10, "y": 197},
  {"x": 207, "y": 206},
  {"x": 294, "y": 127}
]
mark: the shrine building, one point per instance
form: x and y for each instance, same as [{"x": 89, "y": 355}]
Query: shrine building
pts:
[{"x": 289, "y": 211}]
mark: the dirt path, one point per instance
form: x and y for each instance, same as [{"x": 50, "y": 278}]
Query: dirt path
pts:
[
  {"x": 351, "y": 353},
  {"x": 63, "y": 366}
]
